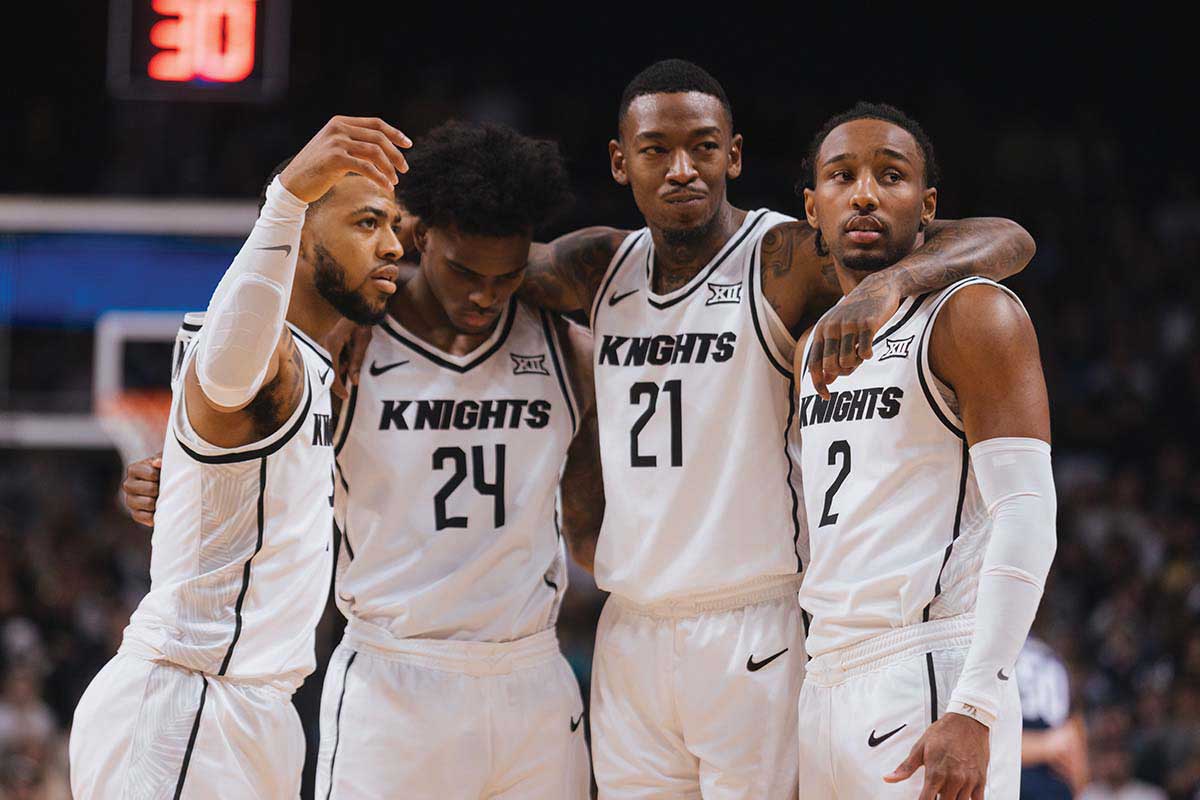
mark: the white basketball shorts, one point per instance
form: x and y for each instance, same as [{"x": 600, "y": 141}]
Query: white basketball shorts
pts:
[
  {"x": 863, "y": 707},
  {"x": 438, "y": 719},
  {"x": 145, "y": 730},
  {"x": 697, "y": 697}
]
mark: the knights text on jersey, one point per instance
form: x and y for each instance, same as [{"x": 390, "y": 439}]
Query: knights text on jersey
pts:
[
  {"x": 897, "y": 529},
  {"x": 696, "y": 413},
  {"x": 242, "y": 551},
  {"x": 449, "y": 468}
]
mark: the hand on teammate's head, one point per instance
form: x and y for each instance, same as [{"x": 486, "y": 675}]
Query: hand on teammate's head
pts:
[{"x": 367, "y": 146}]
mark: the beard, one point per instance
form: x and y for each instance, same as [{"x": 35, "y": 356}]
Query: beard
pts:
[
  {"x": 870, "y": 262},
  {"x": 330, "y": 278},
  {"x": 685, "y": 237}
]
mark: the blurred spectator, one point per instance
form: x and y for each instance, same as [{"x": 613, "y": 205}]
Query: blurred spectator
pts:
[{"x": 1054, "y": 745}]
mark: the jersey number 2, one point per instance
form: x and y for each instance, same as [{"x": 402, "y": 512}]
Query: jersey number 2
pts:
[
  {"x": 840, "y": 447},
  {"x": 459, "y": 458},
  {"x": 649, "y": 390}
]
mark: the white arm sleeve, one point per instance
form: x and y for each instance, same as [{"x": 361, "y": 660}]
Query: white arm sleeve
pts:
[
  {"x": 246, "y": 314},
  {"x": 1017, "y": 485}
]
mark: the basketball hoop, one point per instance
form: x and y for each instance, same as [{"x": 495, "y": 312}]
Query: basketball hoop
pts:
[{"x": 137, "y": 421}]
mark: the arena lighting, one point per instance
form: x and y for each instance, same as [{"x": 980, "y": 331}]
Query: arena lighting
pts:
[{"x": 217, "y": 50}]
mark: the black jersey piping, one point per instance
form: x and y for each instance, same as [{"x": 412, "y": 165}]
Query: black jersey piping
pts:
[
  {"x": 787, "y": 454},
  {"x": 937, "y": 410},
  {"x": 337, "y": 724},
  {"x": 191, "y": 744},
  {"x": 907, "y": 316},
  {"x": 190, "y": 327},
  {"x": 700, "y": 277},
  {"x": 633, "y": 240},
  {"x": 241, "y": 598},
  {"x": 347, "y": 420},
  {"x": 958, "y": 509},
  {"x": 551, "y": 343},
  {"x": 421, "y": 350},
  {"x": 261, "y": 452},
  {"x": 345, "y": 534},
  {"x": 316, "y": 348},
  {"x": 933, "y": 698},
  {"x": 758, "y": 327}
]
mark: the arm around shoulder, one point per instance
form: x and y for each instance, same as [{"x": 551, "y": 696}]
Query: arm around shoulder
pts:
[{"x": 565, "y": 274}]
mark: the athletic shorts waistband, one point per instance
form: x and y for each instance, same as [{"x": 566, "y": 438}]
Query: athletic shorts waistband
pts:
[
  {"x": 452, "y": 655},
  {"x": 759, "y": 590},
  {"x": 884, "y": 649},
  {"x": 279, "y": 689}
]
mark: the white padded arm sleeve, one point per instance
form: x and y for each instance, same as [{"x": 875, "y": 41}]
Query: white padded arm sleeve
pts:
[
  {"x": 246, "y": 314},
  {"x": 1017, "y": 485}
]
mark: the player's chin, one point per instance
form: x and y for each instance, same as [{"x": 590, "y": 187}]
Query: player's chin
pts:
[{"x": 866, "y": 259}]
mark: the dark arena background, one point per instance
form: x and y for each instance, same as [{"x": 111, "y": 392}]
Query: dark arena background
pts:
[{"x": 130, "y": 163}]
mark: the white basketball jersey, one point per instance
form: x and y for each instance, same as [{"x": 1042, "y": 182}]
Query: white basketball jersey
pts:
[
  {"x": 696, "y": 408},
  {"x": 449, "y": 468},
  {"x": 241, "y": 553},
  {"x": 897, "y": 529}
]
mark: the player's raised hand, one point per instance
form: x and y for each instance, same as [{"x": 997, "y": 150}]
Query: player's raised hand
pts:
[
  {"x": 365, "y": 145},
  {"x": 842, "y": 339},
  {"x": 141, "y": 489},
  {"x": 347, "y": 343},
  {"x": 954, "y": 752}
]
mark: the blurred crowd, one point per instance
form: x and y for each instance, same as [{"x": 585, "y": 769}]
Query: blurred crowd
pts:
[{"x": 1112, "y": 291}]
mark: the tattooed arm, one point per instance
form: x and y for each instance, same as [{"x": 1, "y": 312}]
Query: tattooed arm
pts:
[
  {"x": 582, "y": 483},
  {"x": 799, "y": 283},
  {"x": 565, "y": 274}
]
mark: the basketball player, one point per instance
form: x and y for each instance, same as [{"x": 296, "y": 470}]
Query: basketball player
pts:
[
  {"x": 197, "y": 701},
  {"x": 451, "y": 570},
  {"x": 699, "y": 652},
  {"x": 929, "y": 497}
]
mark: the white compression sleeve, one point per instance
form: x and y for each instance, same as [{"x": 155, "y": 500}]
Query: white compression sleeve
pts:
[
  {"x": 246, "y": 314},
  {"x": 1017, "y": 485}
]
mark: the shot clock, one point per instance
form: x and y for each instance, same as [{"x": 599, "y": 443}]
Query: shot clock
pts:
[{"x": 215, "y": 50}]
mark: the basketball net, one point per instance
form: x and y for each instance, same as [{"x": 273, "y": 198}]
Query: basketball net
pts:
[{"x": 137, "y": 421}]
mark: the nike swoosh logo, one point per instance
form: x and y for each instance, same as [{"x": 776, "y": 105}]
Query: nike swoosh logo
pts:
[
  {"x": 616, "y": 298},
  {"x": 375, "y": 369},
  {"x": 875, "y": 741},
  {"x": 575, "y": 722},
  {"x": 286, "y": 248},
  {"x": 1000, "y": 674},
  {"x": 755, "y": 666}
]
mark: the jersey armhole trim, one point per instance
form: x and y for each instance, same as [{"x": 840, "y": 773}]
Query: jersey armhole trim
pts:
[
  {"x": 345, "y": 420},
  {"x": 764, "y": 336},
  {"x": 630, "y": 242},
  {"x": 259, "y": 449},
  {"x": 940, "y": 408},
  {"x": 552, "y": 343}
]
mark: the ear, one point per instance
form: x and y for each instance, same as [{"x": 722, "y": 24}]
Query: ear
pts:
[
  {"x": 616, "y": 162},
  {"x": 810, "y": 208},
  {"x": 928, "y": 207},
  {"x": 421, "y": 236},
  {"x": 735, "y": 158}
]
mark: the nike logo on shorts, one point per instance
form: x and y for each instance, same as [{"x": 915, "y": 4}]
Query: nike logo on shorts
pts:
[
  {"x": 755, "y": 666},
  {"x": 575, "y": 722},
  {"x": 875, "y": 741},
  {"x": 375, "y": 369}
]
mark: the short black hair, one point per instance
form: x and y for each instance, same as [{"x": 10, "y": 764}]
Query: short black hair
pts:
[
  {"x": 672, "y": 75},
  {"x": 484, "y": 179},
  {"x": 865, "y": 110}
]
